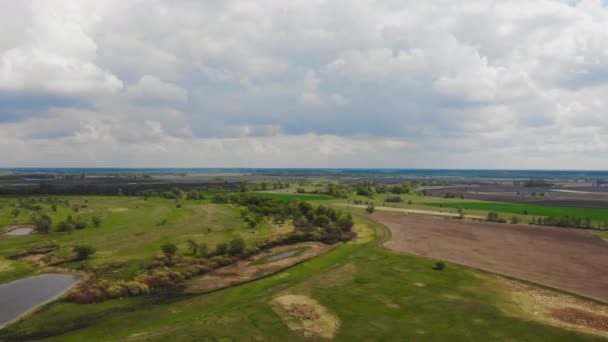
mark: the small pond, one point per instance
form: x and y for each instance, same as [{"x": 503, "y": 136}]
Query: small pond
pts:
[
  {"x": 282, "y": 256},
  {"x": 17, "y": 231},
  {"x": 20, "y": 296}
]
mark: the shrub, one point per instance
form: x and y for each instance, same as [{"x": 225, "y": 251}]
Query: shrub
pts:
[
  {"x": 221, "y": 248},
  {"x": 169, "y": 249},
  {"x": 439, "y": 266},
  {"x": 136, "y": 288},
  {"x": 492, "y": 216},
  {"x": 42, "y": 223},
  {"x": 83, "y": 251},
  {"x": 394, "y": 199},
  {"x": 65, "y": 226},
  {"x": 96, "y": 220},
  {"x": 370, "y": 208},
  {"x": 237, "y": 246}
]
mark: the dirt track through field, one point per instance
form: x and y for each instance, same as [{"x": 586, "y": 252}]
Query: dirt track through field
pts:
[
  {"x": 412, "y": 211},
  {"x": 568, "y": 259}
]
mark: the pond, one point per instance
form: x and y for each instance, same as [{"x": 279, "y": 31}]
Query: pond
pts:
[
  {"x": 282, "y": 256},
  {"x": 20, "y": 296},
  {"x": 17, "y": 231}
]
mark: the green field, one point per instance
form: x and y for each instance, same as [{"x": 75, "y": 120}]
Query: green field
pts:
[
  {"x": 290, "y": 196},
  {"x": 373, "y": 293},
  {"x": 132, "y": 231},
  {"x": 597, "y": 215}
]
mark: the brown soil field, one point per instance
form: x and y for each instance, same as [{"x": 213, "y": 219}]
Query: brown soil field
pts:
[{"x": 567, "y": 259}]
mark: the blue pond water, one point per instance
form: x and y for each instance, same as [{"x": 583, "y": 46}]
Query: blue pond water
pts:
[
  {"x": 21, "y": 296},
  {"x": 281, "y": 256},
  {"x": 20, "y": 231}
]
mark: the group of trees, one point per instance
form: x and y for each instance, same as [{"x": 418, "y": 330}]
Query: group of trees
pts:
[
  {"x": 536, "y": 182},
  {"x": 234, "y": 247},
  {"x": 321, "y": 223},
  {"x": 564, "y": 221}
]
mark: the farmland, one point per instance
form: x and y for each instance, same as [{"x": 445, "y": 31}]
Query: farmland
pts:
[
  {"x": 597, "y": 215},
  {"x": 519, "y": 251},
  {"x": 427, "y": 304},
  {"x": 328, "y": 287}
]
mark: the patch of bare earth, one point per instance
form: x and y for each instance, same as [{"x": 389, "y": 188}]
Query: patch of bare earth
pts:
[
  {"x": 580, "y": 317},
  {"x": 559, "y": 309},
  {"x": 36, "y": 259},
  {"x": 568, "y": 259},
  {"x": 306, "y": 316},
  {"x": 241, "y": 272}
]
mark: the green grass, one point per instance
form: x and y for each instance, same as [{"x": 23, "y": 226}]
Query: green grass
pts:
[
  {"x": 374, "y": 292},
  {"x": 597, "y": 215},
  {"x": 130, "y": 231},
  {"x": 264, "y": 260},
  {"x": 289, "y": 197}
]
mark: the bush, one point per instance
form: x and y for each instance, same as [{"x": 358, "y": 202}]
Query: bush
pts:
[
  {"x": 394, "y": 199},
  {"x": 96, "y": 220},
  {"x": 221, "y": 248},
  {"x": 169, "y": 249},
  {"x": 135, "y": 288},
  {"x": 439, "y": 266},
  {"x": 83, "y": 252},
  {"x": 42, "y": 223},
  {"x": 237, "y": 246},
  {"x": 370, "y": 208},
  {"x": 492, "y": 216}
]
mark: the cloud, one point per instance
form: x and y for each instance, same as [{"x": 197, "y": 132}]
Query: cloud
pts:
[
  {"x": 56, "y": 54},
  {"x": 487, "y": 84},
  {"x": 151, "y": 90}
]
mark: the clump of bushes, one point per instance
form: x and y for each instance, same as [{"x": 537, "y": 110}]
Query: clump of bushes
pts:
[
  {"x": 97, "y": 292},
  {"x": 394, "y": 199},
  {"x": 83, "y": 251},
  {"x": 439, "y": 266}
]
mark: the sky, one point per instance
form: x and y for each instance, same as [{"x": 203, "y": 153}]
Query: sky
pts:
[{"x": 342, "y": 83}]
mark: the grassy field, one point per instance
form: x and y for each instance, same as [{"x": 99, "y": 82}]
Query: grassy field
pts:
[
  {"x": 132, "y": 231},
  {"x": 598, "y": 215},
  {"x": 373, "y": 293},
  {"x": 290, "y": 196}
]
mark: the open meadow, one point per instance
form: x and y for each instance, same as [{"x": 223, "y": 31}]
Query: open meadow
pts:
[
  {"x": 396, "y": 296},
  {"x": 292, "y": 277}
]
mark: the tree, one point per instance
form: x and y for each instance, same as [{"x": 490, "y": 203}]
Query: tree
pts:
[
  {"x": 80, "y": 223},
  {"x": 65, "y": 226},
  {"x": 237, "y": 246},
  {"x": 370, "y": 208},
  {"x": 169, "y": 249},
  {"x": 83, "y": 251},
  {"x": 345, "y": 223},
  {"x": 322, "y": 221},
  {"x": 203, "y": 249},
  {"x": 15, "y": 212},
  {"x": 221, "y": 248},
  {"x": 96, "y": 221},
  {"x": 460, "y": 213},
  {"x": 193, "y": 245},
  {"x": 42, "y": 222},
  {"x": 492, "y": 216}
]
